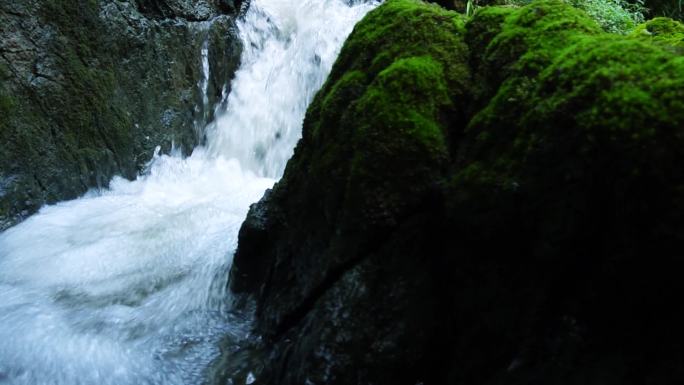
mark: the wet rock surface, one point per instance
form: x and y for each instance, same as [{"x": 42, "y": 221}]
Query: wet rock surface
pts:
[
  {"x": 500, "y": 206},
  {"x": 90, "y": 88}
]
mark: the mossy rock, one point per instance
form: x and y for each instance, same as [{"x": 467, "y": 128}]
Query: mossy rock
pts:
[
  {"x": 386, "y": 72},
  {"x": 506, "y": 201},
  {"x": 662, "y": 30}
]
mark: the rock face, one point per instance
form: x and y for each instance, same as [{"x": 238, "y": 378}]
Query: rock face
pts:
[
  {"x": 493, "y": 200},
  {"x": 90, "y": 88}
]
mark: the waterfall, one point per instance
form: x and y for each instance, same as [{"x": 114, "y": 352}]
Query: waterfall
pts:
[{"x": 127, "y": 285}]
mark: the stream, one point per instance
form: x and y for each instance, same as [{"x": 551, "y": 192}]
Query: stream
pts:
[{"x": 128, "y": 285}]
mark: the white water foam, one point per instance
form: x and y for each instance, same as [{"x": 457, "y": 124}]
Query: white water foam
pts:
[{"x": 128, "y": 285}]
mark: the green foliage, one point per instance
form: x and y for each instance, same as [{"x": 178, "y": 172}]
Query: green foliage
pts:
[
  {"x": 470, "y": 8},
  {"x": 615, "y": 16},
  {"x": 661, "y": 30}
]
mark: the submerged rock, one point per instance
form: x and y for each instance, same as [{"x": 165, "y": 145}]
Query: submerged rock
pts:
[
  {"x": 488, "y": 200},
  {"x": 90, "y": 88}
]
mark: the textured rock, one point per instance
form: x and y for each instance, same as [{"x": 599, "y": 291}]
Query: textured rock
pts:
[
  {"x": 499, "y": 206},
  {"x": 90, "y": 88}
]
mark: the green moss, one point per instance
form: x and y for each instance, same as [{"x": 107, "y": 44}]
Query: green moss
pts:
[
  {"x": 615, "y": 16},
  {"x": 484, "y": 25},
  {"x": 517, "y": 49},
  {"x": 333, "y": 104},
  {"x": 399, "y": 133},
  {"x": 87, "y": 120},
  {"x": 661, "y": 30},
  {"x": 531, "y": 36},
  {"x": 415, "y": 81},
  {"x": 580, "y": 118},
  {"x": 399, "y": 114},
  {"x": 382, "y": 117},
  {"x": 630, "y": 89},
  {"x": 481, "y": 28},
  {"x": 402, "y": 28},
  {"x": 570, "y": 167}
]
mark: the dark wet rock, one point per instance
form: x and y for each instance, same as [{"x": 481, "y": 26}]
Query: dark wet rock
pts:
[
  {"x": 232, "y": 6},
  {"x": 193, "y": 10},
  {"x": 499, "y": 206},
  {"x": 90, "y": 88}
]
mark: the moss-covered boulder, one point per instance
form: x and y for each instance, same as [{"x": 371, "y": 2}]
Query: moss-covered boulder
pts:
[
  {"x": 662, "y": 30},
  {"x": 90, "y": 88},
  {"x": 494, "y": 200}
]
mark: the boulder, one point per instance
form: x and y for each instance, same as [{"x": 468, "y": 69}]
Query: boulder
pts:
[{"x": 492, "y": 200}]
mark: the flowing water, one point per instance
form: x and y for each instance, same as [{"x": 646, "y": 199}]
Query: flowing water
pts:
[{"x": 128, "y": 285}]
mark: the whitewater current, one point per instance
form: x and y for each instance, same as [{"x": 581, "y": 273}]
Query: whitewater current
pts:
[{"x": 128, "y": 285}]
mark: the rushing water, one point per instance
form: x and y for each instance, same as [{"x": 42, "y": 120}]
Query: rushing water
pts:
[{"x": 127, "y": 285}]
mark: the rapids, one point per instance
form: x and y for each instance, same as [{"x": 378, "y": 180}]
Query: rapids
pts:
[{"x": 128, "y": 285}]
